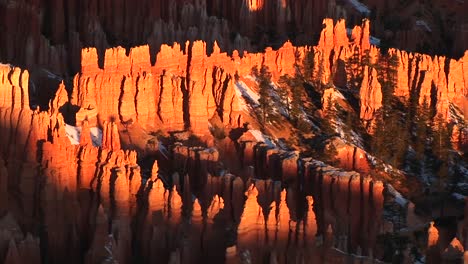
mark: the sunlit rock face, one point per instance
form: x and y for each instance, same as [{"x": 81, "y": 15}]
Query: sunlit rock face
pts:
[
  {"x": 255, "y": 5},
  {"x": 124, "y": 167}
]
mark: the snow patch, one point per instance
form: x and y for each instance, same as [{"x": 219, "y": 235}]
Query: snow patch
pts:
[
  {"x": 96, "y": 136},
  {"x": 373, "y": 40},
  {"x": 51, "y": 75},
  {"x": 252, "y": 78},
  {"x": 74, "y": 135},
  {"x": 458, "y": 196},
  {"x": 398, "y": 197},
  {"x": 422, "y": 23},
  {"x": 261, "y": 138},
  {"x": 249, "y": 96},
  {"x": 163, "y": 150},
  {"x": 362, "y": 8}
]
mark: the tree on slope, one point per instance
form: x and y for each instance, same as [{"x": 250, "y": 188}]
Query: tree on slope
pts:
[{"x": 263, "y": 75}]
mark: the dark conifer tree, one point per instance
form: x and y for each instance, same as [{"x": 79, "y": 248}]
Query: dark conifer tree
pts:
[
  {"x": 441, "y": 146},
  {"x": 284, "y": 93},
  {"x": 421, "y": 132},
  {"x": 354, "y": 70},
  {"x": 263, "y": 75},
  {"x": 291, "y": 94},
  {"x": 308, "y": 65},
  {"x": 328, "y": 126}
]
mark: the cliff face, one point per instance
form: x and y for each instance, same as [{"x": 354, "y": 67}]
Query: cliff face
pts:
[
  {"x": 437, "y": 78},
  {"x": 57, "y": 30},
  {"x": 182, "y": 90},
  {"x": 14, "y": 87},
  {"x": 87, "y": 197},
  {"x": 186, "y": 88},
  {"x": 94, "y": 200}
]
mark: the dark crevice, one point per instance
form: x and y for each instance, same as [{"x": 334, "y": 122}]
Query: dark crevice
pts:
[
  {"x": 185, "y": 87},
  {"x": 122, "y": 84}
]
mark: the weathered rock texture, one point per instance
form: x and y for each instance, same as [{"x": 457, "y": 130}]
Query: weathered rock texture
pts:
[
  {"x": 437, "y": 81},
  {"x": 90, "y": 196},
  {"x": 87, "y": 203},
  {"x": 182, "y": 90},
  {"x": 55, "y": 31},
  {"x": 187, "y": 89}
]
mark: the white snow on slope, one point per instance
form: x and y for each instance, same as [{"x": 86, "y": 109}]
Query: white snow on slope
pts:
[
  {"x": 398, "y": 197},
  {"x": 261, "y": 138},
  {"x": 96, "y": 136},
  {"x": 423, "y": 24},
  {"x": 74, "y": 134},
  {"x": 373, "y": 40},
  {"x": 52, "y": 75},
  {"x": 362, "y": 8},
  {"x": 243, "y": 91},
  {"x": 458, "y": 196},
  {"x": 163, "y": 150}
]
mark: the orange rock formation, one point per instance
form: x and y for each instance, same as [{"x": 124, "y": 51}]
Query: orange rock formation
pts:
[{"x": 95, "y": 202}]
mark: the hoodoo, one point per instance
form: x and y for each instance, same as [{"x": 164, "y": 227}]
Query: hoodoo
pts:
[{"x": 242, "y": 131}]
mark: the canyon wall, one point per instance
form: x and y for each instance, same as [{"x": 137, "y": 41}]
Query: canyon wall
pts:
[
  {"x": 186, "y": 87},
  {"x": 438, "y": 80},
  {"x": 77, "y": 203},
  {"x": 182, "y": 90},
  {"x": 55, "y": 31},
  {"x": 86, "y": 203}
]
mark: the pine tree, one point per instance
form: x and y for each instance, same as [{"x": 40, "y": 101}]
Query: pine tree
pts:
[
  {"x": 388, "y": 72},
  {"x": 297, "y": 91},
  {"x": 319, "y": 87},
  {"x": 308, "y": 65},
  {"x": 390, "y": 138},
  {"x": 421, "y": 127},
  {"x": 284, "y": 93},
  {"x": 354, "y": 70},
  {"x": 265, "y": 91},
  {"x": 378, "y": 143},
  {"x": 441, "y": 146},
  {"x": 330, "y": 115},
  {"x": 400, "y": 141},
  {"x": 292, "y": 91}
]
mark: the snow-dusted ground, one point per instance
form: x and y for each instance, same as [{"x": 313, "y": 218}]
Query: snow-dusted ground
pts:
[
  {"x": 52, "y": 75},
  {"x": 459, "y": 197},
  {"x": 243, "y": 91},
  {"x": 373, "y": 40},
  {"x": 398, "y": 197},
  {"x": 423, "y": 24},
  {"x": 163, "y": 150},
  {"x": 74, "y": 134},
  {"x": 261, "y": 138},
  {"x": 362, "y": 8}
]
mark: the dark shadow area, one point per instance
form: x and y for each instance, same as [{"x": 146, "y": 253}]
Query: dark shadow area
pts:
[
  {"x": 313, "y": 96},
  {"x": 43, "y": 85}
]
